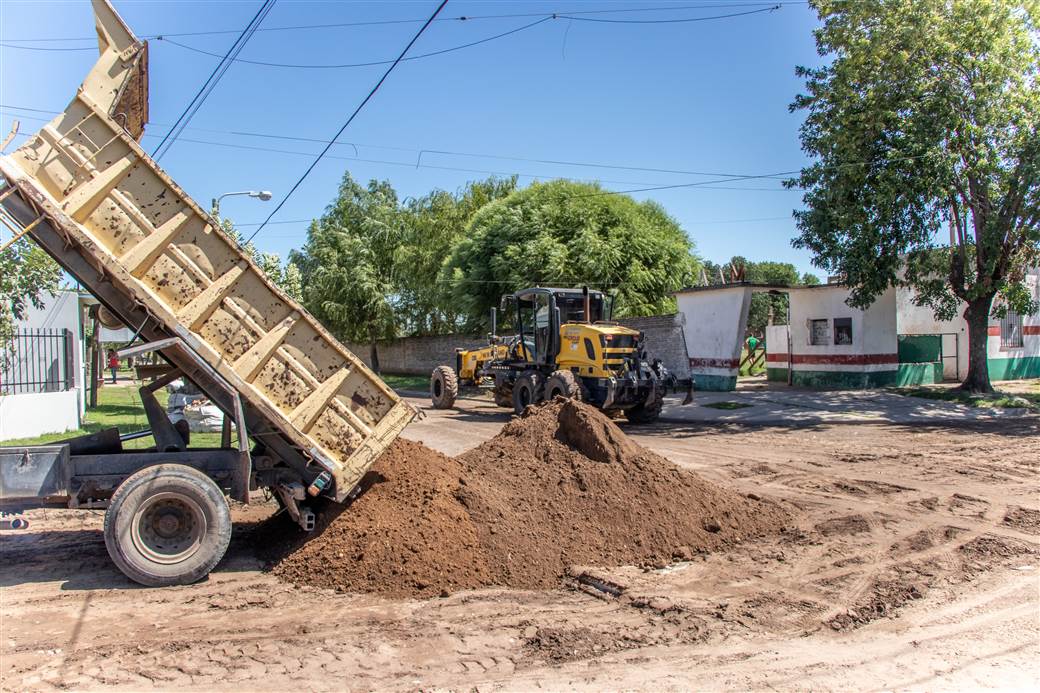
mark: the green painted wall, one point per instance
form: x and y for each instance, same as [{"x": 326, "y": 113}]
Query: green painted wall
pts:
[
  {"x": 919, "y": 348},
  {"x": 777, "y": 375},
  {"x": 844, "y": 380},
  {"x": 919, "y": 374},
  {"x": 714, "y": 383},
  {"x": 1014, "y": 369}
]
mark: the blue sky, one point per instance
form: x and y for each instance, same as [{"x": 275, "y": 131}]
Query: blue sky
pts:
[{"x": 706, "y": 96}]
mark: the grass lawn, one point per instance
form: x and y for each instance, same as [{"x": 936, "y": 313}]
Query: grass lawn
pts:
[
  {"x": 1028, "y": 400},
  {"x": 419, "y": 383},
  {"x": 119, "y": 406}
]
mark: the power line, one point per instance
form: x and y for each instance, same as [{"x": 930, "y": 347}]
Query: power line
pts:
[
  {"x": 463, "y": 18},
  {"x": 211, "y": 82},
  {"x": 371, "y": 63},
  {"x": 668, "y": 21},
  {"x": 349, "y": 120},
  {"x": 421, "y": 152},
  {"x": 531, "y": 25}
]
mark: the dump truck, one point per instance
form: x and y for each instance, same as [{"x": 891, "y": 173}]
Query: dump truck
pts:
[
  {"x": 310, "y": 417},
  {"x": 565, "y": 346}
]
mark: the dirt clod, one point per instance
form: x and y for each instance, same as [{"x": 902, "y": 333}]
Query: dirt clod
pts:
[{"x": 559, "y": 486}]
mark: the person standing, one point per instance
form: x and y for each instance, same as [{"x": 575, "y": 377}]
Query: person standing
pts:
[{"x": 113, "y": 364}]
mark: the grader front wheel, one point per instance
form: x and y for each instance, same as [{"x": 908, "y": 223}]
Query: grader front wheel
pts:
[{"x": 444, "y": 387}]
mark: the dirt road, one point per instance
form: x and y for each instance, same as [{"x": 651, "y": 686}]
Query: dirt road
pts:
[{"x": 914, "y": 563}]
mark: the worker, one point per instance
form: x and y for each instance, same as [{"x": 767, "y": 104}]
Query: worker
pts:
[{"x": 113, "y": 364}]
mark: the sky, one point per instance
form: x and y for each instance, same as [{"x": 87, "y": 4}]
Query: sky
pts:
[{"x": 631, "y": 93}]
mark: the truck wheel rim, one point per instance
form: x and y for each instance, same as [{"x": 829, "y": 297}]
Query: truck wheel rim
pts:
[
  {"x": 436, "y": 388},
  {"x": 168, "y": 528}
]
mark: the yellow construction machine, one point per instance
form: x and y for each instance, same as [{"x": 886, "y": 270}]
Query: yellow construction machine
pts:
[{"x": 565, "y": 345}]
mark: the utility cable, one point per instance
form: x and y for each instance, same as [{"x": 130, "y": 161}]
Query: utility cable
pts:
[
  {"x": 420, "y": 153},
  {"x": 372, "y": 63},
  {"x": 378, "y": 22},
  {"x": 666, "y": 21},
  {"x": 211, "y": 82},
  {"x": 338, "y": 66},
  {"x": 349, "y": 120}
]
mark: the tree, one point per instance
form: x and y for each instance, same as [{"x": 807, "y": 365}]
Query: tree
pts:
[
  {"x": 432, "y": 225},
  {"x": 570, "y": 234},
  {"x": 766, "y": 308},
  {"x": 26, "y": 273},
  {"x": 286, "y": 277},
  {"x": 928, "y": 114},
  {"x": 347, "y": 267}
]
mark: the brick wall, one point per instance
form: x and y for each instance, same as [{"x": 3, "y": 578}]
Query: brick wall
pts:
[
  {"x": 664, "y": 340},
  {"x": 420, "y": 355}
]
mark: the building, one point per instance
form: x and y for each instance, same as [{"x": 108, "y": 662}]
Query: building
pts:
[
  {"x": 828, "y": 344},
  {"x": 41, "y": 379}
]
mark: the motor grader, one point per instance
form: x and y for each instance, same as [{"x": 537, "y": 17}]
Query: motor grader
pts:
[{"x": 565, "y": 345}]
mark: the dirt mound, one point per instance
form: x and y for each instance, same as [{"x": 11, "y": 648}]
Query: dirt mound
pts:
[
  {"x": 559, "y": 486},
  {"x": 406, "y": 534}
]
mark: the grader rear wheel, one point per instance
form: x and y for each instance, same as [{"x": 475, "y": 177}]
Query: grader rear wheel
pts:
[{"x": 529, "y": 389}]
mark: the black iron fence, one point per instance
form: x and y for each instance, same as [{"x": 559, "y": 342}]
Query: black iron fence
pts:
[{"x": 37, "y": 360}]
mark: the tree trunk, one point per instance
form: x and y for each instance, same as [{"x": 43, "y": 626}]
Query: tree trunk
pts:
[
  {"x": 373, "y": 355},
  {"x": 977, "y": 316}
]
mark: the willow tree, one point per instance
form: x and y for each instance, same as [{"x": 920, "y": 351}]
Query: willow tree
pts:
[
  {"x": 347, "y": 266},
  {"x": 925, "y": 121}
]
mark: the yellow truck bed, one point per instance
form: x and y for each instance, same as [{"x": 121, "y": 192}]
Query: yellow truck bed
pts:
[{"x": 153, "y": 252}]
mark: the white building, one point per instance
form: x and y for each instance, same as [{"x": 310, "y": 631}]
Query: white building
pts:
[
  {"x": 42, "y": 386},
  {"x": 830, "y": 344}
]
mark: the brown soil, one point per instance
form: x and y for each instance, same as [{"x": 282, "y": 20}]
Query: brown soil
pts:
[
  {"x": 406, "y": 534},
  {"x": 559, "y": 486}
]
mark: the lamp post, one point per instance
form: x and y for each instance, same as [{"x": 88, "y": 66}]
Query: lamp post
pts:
[{"x": 262, "y": 195}]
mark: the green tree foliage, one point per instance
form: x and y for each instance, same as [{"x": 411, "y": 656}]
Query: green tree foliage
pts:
[
  {"x": 765, "y": 308},
  {"x": 927, "y": 116},
  {"x": 348, "y": 267},
  {"x": 570, "y": 234},
  {"x": 26, "y": 273},
  {"x": 432, "y": 226},
  {"x": 286, "y": 277}
]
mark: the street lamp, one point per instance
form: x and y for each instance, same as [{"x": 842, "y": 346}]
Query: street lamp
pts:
[{"x": 262, "y": 195}]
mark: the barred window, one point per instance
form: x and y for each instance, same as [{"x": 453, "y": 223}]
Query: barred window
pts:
[{"x": 1011, "y": 330}]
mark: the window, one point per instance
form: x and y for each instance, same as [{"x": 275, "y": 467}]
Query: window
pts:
[
  {"x": 818, "y": 332},
  {"x": 1011, "y": 331},
  {"x": 843, "y": 330}
]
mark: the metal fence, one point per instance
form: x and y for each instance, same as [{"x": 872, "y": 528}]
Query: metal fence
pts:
[{"x": 37, "y": 360}]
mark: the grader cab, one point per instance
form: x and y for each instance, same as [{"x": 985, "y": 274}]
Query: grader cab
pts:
[{"x": 564, "y": 345}]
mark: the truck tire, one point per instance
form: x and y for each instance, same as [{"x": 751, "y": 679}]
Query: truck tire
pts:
[
  {"x": 527, "y": 390},
  {"x": 647, "y": 413},
  {"x": 444, "y": 387},
  {"x": 563, "y": 384},
  {"x": 168, "y": 524}
]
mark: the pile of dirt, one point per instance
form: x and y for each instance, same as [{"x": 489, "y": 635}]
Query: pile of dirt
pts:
[
  {"x": 559, "y": 486},
  {"x": 406, "y": 534}
]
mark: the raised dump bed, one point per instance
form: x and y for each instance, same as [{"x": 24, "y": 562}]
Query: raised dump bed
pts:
[{"x": 90, "y": 195}]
